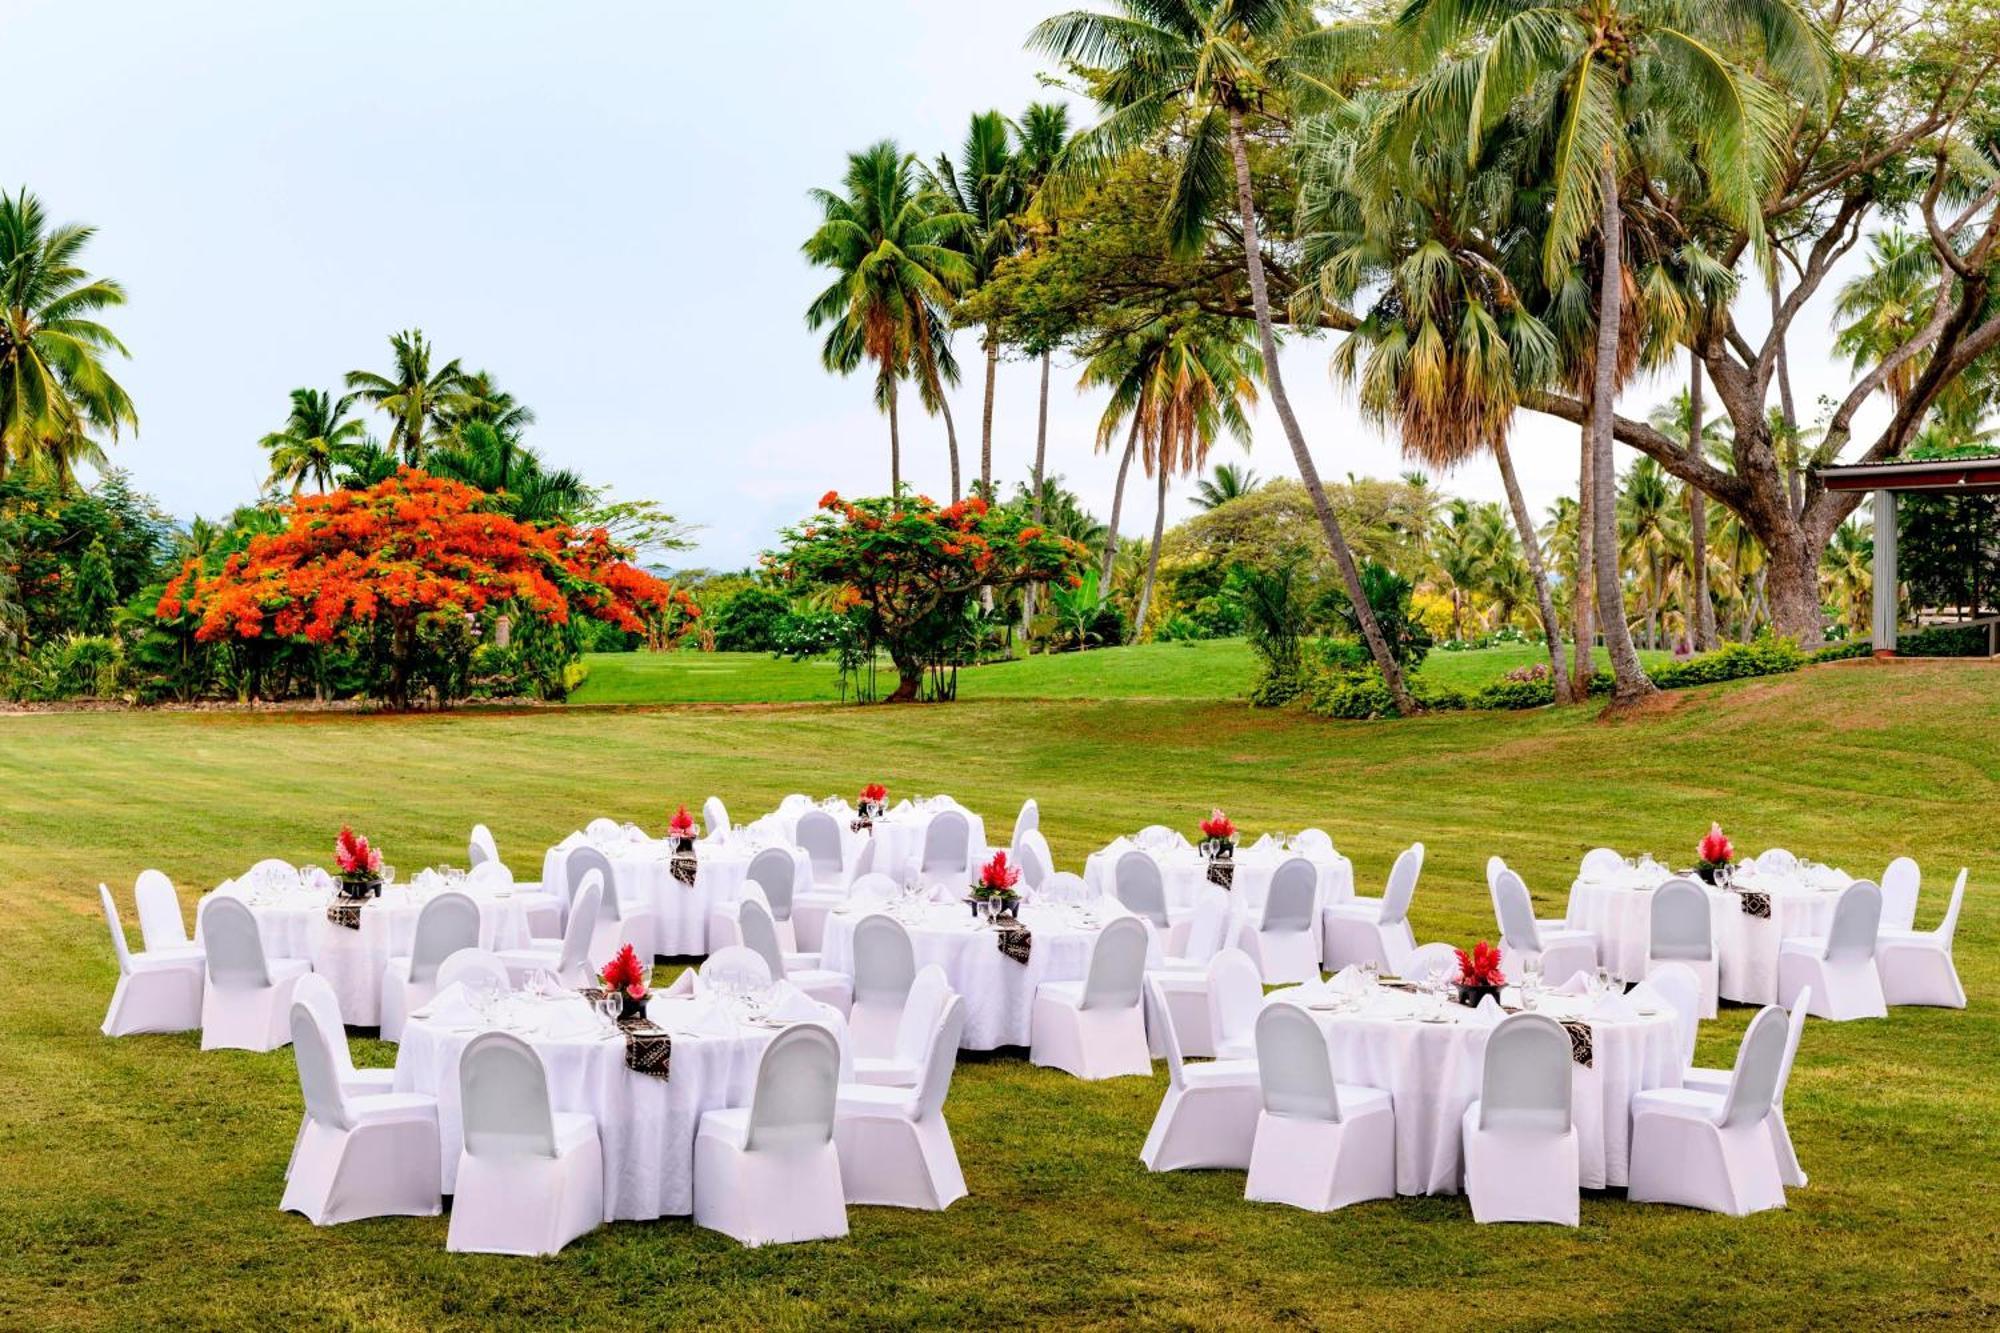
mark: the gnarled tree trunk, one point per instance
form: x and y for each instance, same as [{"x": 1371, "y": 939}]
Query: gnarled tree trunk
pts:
[{"x": 1629, "y": 677}]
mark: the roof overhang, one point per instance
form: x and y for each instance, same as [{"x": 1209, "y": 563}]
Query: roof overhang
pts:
[{"x": 1961, "y": 475}]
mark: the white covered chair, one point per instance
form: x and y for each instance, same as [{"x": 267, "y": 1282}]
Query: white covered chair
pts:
[
  {"x": 1181, "y": 981},
  {"x": 1840, "y": 968},
  {"x": 1028, "y": 821},
  {"x": 1067, "y": 887},
  {"x": 734, "y": 965},
  {"x": 760, "y": 936},
  {"x": 1713, "y": 1150},
  {"x": 1777, "y": 861},
  {"x": 1429, "y": 960},
  {"x": 1374, "y": 930},
  {"x": 620, "y": 921},
  {"x": 1235, "y": 998},
  {"x": 1282, "y": 942},
  {"x": 374, "y": 1155},
  {"x": 570, "y": 957},
  {"x": 1096, "y": 1028},
  {"x": 774, "y": 871},
  {"x": 276, "y": 866},
  {"x": 947, "y": 854},
  {"x": 530, "y": 1177},
  {"x": 1678, "y": 988},
  {"x": 1209, "y": 1116},
  {"x": 895, "y": 1148},
  {"x": 1900, "y": 883},
  {"x": 1916, "y": 965},
  {"x": 315, "y": 992},
  {"x": 817, "y": 834},
  {"x": 1521, "y": 1155},
  {"x": 1600, "y": 863},
  {"x": 1142, "y": 891},
  {"x": 480, "y": 847},
  {"x": 901, "y": 1066},
  {"x": 603, "y": 829},
  {"x": 1717, "y": 1081},
  {"x": 809, "y": 906},
  {"x": 162, "y": 930},
  {"x": 1037, "y": 863},
  {"x": 769, "y": 1172},
  {"x": 715, "y": 816},
  {"x": 1563, "y": 952},
  {"x": 447, "y": 923},
  {"x": 482, "y": 860},
  {"x": 247, "y": 1001},
  {"x": 156, "y": 991},
  {"x": 1319, "y": 1144},
  {"x": 1682, "y": 933},
  {"x": 472, "y": 967},
  {"x": 885, "y": 965}
]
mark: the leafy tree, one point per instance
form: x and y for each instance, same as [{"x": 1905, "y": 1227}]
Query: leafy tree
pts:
[
  {"x": 1085, "y": 615},
  {"x": 749, "y": 620},
  {"x": 1389, "y": 595},
  {"x": 511, "y": 473},
  {"x": 418, "y": 400},
  {"x": 316, "y": 442}
]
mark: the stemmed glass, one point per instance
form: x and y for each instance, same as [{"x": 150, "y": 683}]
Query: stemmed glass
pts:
[{"x": 608, "y": 1006}]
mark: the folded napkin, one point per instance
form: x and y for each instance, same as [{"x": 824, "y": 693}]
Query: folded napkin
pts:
[
  {"x": 1613, "y": 1005},
  {"x": 705, "y": 1017},
  {"x": 1263, "y": 844},
  {"x": 1312, "y": 840},
  {"x": 903, "y": 807},
  {"x": 681, "y": 985},
  {"x": 789, "y": 1004},
  {"x": 450, "y": 1008},
  {"x": 1578, "y": 984},
  {"x": 1486, "y": 1014},
  {"x": 572, "y": 842},
  {"x": 565, "y": 1020}
]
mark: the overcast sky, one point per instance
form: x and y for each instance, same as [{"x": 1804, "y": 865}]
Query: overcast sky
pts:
[{"x": 600, "y": 203}]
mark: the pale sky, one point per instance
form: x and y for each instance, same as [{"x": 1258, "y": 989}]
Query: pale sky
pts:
[{"x": 600, "y": 203}]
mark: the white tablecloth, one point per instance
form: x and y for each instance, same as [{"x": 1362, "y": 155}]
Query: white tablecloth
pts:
[
  {"x": 999, "y": 992},
  {"x": 898, "y": 835},
  {"x": 680, "y": 911},
  {"x": 1619, "y": 909},
  {"x": 292, "y": 923},
  {"x": 647, "y": 1125},
  {"x": 1184, "y": 872},
  {"x": 1432, "y": 1071}
]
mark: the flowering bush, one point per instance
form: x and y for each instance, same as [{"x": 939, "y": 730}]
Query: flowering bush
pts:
[
  {"x": 353, "y": 855},
  {"x": 997, "y": 878},
  {"x": 1481, "y": 967},
  {"x": 910, "y": 569},
  {"x": 402, "y": 569},
  {"x": 625, "y": 974}
]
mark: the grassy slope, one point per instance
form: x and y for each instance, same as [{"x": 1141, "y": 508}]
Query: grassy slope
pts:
[
  {"x": 140, "y": 1176},
  {"x": 1214, "y": 669}
]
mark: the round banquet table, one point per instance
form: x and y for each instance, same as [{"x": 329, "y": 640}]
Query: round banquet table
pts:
[
  {"x": 291, "y": 921},
  {"x": 645, "y": 876},
  {"x": 1432, "y": 1070},
  {"x": 898, "y": 835},
  {"x": 646, "y": 1125},
  {"x": 1619, "y": 909},
  {"x": 999, "y": 993},
  {"x": 1184, "y": 873}
]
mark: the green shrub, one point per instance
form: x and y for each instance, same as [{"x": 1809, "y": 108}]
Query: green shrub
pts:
[
  {"x": 1180, "y": 628},
  {"x": 1735, "y": 661},
  {"x": 1943, "y": 641},
  {"x": 748, "y": 620},
  {"x": 1841, "y": 652}
]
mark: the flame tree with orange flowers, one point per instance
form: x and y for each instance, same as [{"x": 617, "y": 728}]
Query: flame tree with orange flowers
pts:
[
  {"x": 909, "y": 571},
  {"x": 403, "y": 571}
]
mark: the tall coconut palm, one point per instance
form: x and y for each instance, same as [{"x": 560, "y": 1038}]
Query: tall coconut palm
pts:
[
  {"x": 1120, "y": 366},
  {"x": 316, "y": 441},
  {"x": 417, "y": 399},
  {"x": 1604, "y": 72},
  {"x": 1040, "y": 137},
  {"x": 55, "y": 392},
  {"x": 1205, "y": 68},
  {"x": 1228, "y": 482},
  {"x": 512, "y": 473},
  {"x": 889, "y": 242},
  {"x": 1683, "y": 419},
  {"x": 1847, "y": 574},
  {"x": 478, "y": 398}
]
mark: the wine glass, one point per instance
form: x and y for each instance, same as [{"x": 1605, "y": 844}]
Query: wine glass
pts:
[
  {"x": 1603, "y": 985},
  {"x": 608, "y": 1006}
]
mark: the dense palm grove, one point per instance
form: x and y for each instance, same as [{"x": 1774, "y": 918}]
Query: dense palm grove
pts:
[{"x": 1485, "y": 209}]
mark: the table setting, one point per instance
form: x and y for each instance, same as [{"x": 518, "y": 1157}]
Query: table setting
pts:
[{"x": 1186, "y": 869}]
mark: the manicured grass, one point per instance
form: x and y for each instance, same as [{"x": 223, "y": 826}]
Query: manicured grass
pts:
[{"x": 139, "y": 1178}]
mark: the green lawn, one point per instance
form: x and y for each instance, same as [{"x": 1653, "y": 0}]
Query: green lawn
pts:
[
  {"x": 139, "y": 1178},
  {"x": 1211, "y": 669}
]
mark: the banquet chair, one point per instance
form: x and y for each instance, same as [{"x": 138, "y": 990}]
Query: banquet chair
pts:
[
  {"x": 1032, "y": 855},
  {"x": 774, "y": 870},
  {"x": 1717, "y": 1081},
  {"x": 872, "y": 888},
  {"x": 1521, "y": 1155},
  {"x": 1374, "y": 930},
  {"x": 818, "y": 836},
  {"x": 1679, "y": 988},
  {"x": 715, "y": 819},
  {"x": 156, "y": 991},
  {"x": 1428, "y": 960},
  {"x": 480, "y": 847},
  {"x": 769, "y": 1172},
  {"x": 1028, "y": 821},
  {"x": 1209, "y": 1116},
  {"x": 895, "y": 1147},
  {"x": 472, "y": 967},
  {"x": 1313, "y": 842},
  {"x": 760, "y": 936},
  {"x": 447, "y": 923},
  {"x": 271, "y": 865},
  {"x": 619, "y": 921},
  {"x": 947, "y": 854},
  {"x": 1235, "y": 997},
  {"x": 246, "y": 1002},
  {"x": 162, "y": 929},
  {"x": 1563, "y": 952},
  {"x": 569, "y": 958},
  {"x": 1096, "y": 1028},
  {"x": 530, "y": 1177},
  {"x": 1283, "y": 942},
  {"x": 734, "y": 965},
  {"x": 885, "y": 964},
  {"x": 1142, "y": 891},
  {"x": 1600, "y": 863},
  {"x": 603, "y": 830},
  {"x": 1916, "y": 965},
  {"x": 901, "y": 1065},
  {"x": 1900, "y": 883},
  {"x": 315, "y": 992},
  {"x": 373, "y": 1155},
  {"x": 1682, "y": 933},
  {"x": 1067, "y": 887},
  {"x": 1181, "y": 980},
  {"x": 1840, "y": 967},
  {"x": 544, "y": 914},
  {"x": 1713, "y": 1150},
  {"x": 1158, "y": 838},
  {"x": 1777, "y": 861},
  {"x": 810, "y": 905},
  {"x": 1319, "y": 1144}
]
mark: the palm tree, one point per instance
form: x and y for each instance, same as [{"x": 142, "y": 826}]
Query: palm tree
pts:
[
  {"x": 1458, "y": 556},
  {"x": 1606, "y": 72},
  {"x": 317, "y": 439},
  {"x": 1681, "y": 418},
  {"x": 1228, "y": 482},
  {"x": 367, "y": 465},
  {"x": 1847, "y": 574},
  {"x": 889, "y": 243},
  {"x": 1886, "y": 305},
  {"x": 1649, "y": 537},
  {"x": 986, "y": 188},
  {"x": 1039, "y": 139},
  {"x": 479, "y": 399},
  {"x": 512, "y": 473},
  {"x": 1202, "y": 68},
  {"x": 419, "y": 400},
  {"x": 54, "y": 389},
  {"x": 1121, "y": 366}
]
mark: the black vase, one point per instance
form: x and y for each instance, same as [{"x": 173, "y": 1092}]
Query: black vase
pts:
[
  {"x": 1470, "y": 996},
  {"x": 1707, "y": 874},
  {"x": 361, "y": 886},
  {"x": 681, "y": 846},
  {"x": 629, "y": 1007}
]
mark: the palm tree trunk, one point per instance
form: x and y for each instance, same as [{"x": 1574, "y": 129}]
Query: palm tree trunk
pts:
[
  {"x": 986, "y": 413},
  {"x": 1153, "y": 560},
  {"x": 895, "y": 445},
  {"x": 950, "y": 442},
  {"x": 1583, "y": 603},
  {"x": 1703, "y": 626},
  {"x": 1260, "y": 300},
  {"x": 1628, "y": 676},
  {"x": 1532, "y": 548},
  {"x": 1118, "y": 501},
  {"x": 1041, "y": 459}
]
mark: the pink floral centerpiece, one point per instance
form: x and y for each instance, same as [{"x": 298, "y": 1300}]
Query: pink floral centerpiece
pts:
[
  {"x": 1716, "y": 857},
  {"x": 360, "y": 865}
]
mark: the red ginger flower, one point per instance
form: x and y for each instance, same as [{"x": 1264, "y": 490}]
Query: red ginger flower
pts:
[
  {"x": 874, "y": 791},
  {"x": 352, "y": 853},
  {"x": 1715, "y": 848},
  {"x": 1217, "y": 825},
  {"x": 682, "y": 824},
  {"x": 625, "y": 973},
  {"x": 1481, "y": 967},
  {"x": 998, "y": 875}
]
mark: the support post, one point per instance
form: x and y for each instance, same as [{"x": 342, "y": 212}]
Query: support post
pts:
[{"x": 1884, "y": 595}]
